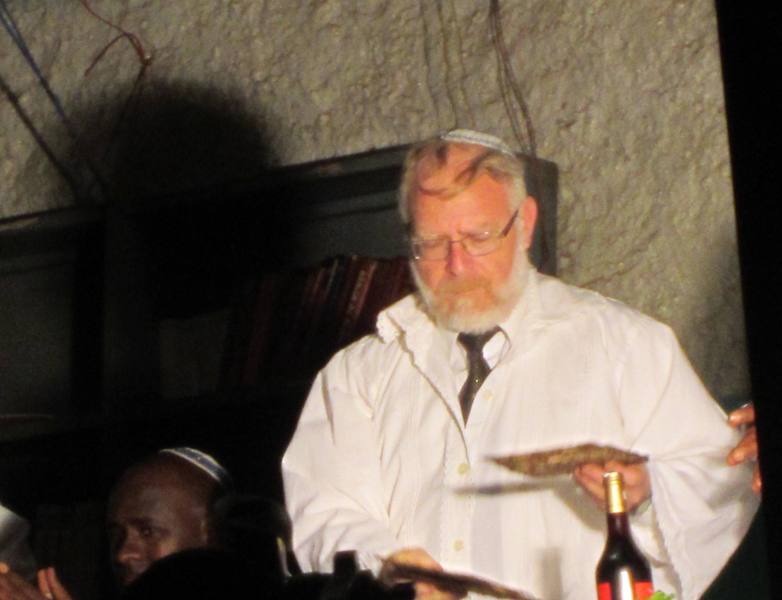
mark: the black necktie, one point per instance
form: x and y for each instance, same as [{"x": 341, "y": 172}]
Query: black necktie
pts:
[{"x": 478, "y": 368}]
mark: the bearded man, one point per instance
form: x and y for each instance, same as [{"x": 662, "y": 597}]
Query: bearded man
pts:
[{"x": 492, "y": 358}]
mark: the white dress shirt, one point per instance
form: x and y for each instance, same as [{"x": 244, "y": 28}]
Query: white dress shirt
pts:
[{"x": 381, "y": 459}]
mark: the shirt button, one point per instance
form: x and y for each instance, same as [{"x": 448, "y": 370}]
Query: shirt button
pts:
[
  {"x": 463, "y": 469},
  {"x": 488, "y": 395},
  {"x": 458, "y": 545}
]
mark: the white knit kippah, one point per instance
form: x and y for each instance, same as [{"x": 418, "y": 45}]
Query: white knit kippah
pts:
[
  {"x": 202, "y": 461},
  {"x": 468, "y": 136}
]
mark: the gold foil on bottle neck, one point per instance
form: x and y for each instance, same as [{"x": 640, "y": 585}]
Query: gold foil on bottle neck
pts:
[{"x": 614, "y": 490}]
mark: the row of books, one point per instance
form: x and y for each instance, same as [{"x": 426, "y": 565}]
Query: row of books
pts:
[{"x": 288, "y": 324}]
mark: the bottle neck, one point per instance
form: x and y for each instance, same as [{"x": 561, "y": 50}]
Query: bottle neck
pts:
[
  {"x": 616, "y": 509},
  {"x": 614, "y": 491},
  {"x": 618, "y": 524}
]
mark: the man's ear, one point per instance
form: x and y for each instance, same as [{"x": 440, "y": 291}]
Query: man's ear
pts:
[{"x": 528, "y": 211}]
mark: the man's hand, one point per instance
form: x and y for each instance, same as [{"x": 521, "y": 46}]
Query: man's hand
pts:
[
  {"x": 14, "y": 587},
  {"x": 416, "y": 557},
  {"x": 747, "y": 448},
  {"x": 636, "y": 482},
  {"x": 50, "y": 586}
]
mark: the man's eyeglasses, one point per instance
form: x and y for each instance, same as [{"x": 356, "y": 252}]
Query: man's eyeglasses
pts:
[{"x": 474, "y": 244}]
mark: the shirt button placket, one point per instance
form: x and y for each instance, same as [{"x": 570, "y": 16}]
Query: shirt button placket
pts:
[{"x": 457, "y": 507}]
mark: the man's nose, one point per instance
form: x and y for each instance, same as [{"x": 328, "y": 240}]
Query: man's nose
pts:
[
  {"x": 128, "y": 550},
  {"x": 455, "y": 261}
]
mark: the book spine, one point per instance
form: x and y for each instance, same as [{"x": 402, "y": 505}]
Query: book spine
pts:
[
  {"x": 291, "y": 342},
  {"x": 314, "y": 335},
  {"x": 261, "y": 325},
  {"x": 357, "y": 300}
]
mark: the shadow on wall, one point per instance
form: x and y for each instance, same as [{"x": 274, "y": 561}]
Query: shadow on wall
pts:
[
  {"x": 186, "y": 220},
  {"x": 176, "y": 245},
  {"x": 181, "y": 137},
  {"x": 182, "y": 162},
  {"x": 190, "y": 218},
  {"x": 195, "y": 208}
]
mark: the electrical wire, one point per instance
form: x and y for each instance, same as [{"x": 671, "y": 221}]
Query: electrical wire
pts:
[
  {"x": 24, "y": 117},
  {"x": 510, "y": 89},
  {"x": 16, "y": 36},
  {"x": 145, "y": 60}
]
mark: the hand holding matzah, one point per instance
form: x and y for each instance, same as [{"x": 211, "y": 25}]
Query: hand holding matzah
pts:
[{"x": 587, "y": 463}]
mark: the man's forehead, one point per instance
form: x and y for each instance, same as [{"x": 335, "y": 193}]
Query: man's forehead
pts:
[
  {"x": 136, "y": 488},
  {"x": 444, "y": 165},
  {"x": 149, "y": 479},
  {"x": 158, "y": 499}
]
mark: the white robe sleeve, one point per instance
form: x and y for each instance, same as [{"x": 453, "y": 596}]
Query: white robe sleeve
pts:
[
  {"x": 702, "y": 507},
  {"x": 331, "y": 476}
]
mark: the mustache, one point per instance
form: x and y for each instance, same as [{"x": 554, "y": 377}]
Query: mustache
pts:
[{"x": 457, "y": 286}]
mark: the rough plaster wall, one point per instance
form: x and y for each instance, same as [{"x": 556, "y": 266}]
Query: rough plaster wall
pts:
[{"x": 625, "y": 96}]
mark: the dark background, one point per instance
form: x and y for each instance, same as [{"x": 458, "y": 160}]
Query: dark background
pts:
[{"x": 750, "y": 44}]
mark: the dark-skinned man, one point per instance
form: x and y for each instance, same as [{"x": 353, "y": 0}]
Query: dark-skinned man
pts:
[{"x": 158, "y": 507}]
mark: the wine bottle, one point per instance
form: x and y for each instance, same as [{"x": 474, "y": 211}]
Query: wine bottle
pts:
[{"x": 622, "y": 573}]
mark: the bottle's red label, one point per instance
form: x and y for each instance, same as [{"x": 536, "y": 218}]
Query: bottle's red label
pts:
[{"x": 643, "y": 590}]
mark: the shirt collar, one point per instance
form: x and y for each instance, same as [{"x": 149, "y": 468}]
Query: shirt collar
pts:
[
  {"x": 527, "y": 309},
  {"x": 409, "y": 317}
]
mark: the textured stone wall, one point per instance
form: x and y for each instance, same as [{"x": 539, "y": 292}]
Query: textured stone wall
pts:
[{"x": 624, "y": 95}]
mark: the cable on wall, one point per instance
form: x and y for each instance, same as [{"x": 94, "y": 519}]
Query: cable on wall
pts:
[
  {"x": 144, "y": 57},
  {"x": 18, "y": 39},
  {"x": 16, "y": 36},
  {"x": 145, "y": 60},
  {"x": 510, "y": 89},
  {"x": 25, "y": 118}
]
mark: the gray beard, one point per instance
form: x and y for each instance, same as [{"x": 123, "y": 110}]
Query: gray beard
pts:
[{"x": 462, "y": 319}]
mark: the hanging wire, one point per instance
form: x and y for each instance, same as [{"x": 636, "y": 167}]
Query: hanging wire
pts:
[
  {"x": 24, "y": 117},
  {"x": 145, "y": 60},
  {"x": 16, "y": 36},
  {"x": 510, "y": 89}
]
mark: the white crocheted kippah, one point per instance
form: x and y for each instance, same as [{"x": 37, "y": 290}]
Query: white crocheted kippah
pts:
[
  {"x": 203, "y": 461},
  {"x": 468, "y": 136}
]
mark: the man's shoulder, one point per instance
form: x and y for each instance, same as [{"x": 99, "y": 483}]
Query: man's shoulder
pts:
[
  {"x": 570, "y": 302},
  {"x": 375, "y": 346}
]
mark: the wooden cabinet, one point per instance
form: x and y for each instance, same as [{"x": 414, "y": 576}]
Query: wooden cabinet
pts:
[{"x": 114, "y": 321}]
